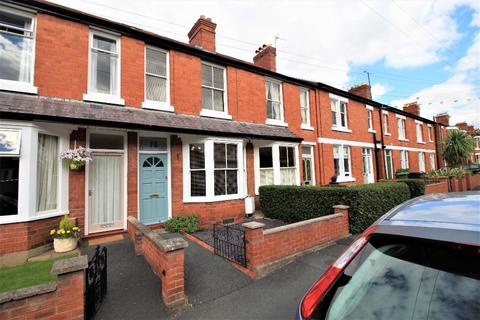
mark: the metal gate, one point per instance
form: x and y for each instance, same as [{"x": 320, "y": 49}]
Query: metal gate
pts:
[
  {"x": 95, "y": 282},
  {"x": 229, "y": 242}
]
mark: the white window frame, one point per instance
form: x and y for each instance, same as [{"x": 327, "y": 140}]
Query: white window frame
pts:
[
  {"x": 343, "y": 176},
  {"x": 27, "y": 175},
  {"x": 432, "y": 161},
  {"x": 430, "y": 132},
  {"x": 275, "y": 160},
  {"x": 390, "y": 155},
  {"x": 404, "y": 159},
  {"x": 307, "y": 124},
  {"x": 370, "y": 119},
  {"x": 210, "y": 169},
  {"x": 20, "y": 86},
  {"x": 337, "y": 100},
  {"x": 402, "y": 129},
  {"x": 152, "y": 104},
  {"x": 102, "y": 97},
  {"x": 214, "y": 113},
  {"x": 275, "y": 122},
  {"x": 421, "y": 162},
  {"x": 419, "y": 131},
  {"x": 386, "y": 129}
]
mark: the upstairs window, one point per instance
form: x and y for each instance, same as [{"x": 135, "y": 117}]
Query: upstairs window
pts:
[
  {"x": 305, "y": 107},
  {"x": 339, "y": 114},
  {"x": 386, "y": 129},
  {"x": 213, "y": 89},
  {"x": 104, "y": 74},
  {"x": 274, "y": 101},
  {"x": 16, "y": 49},
  {"x": 419, "y": 127},
  {"x": 401, "y": 129},
  {"x": 156, "y": 79},
  {"x": 370, "y": 118},
  {"x": 430, "y": 133}
]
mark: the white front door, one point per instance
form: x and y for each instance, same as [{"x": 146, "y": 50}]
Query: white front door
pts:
[
  {"x": 367, "y": 165},
  {"x": 105, "y": 192}
]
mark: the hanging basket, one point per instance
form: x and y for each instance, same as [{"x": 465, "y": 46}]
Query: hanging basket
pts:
[{"x": 76, "y": 165}]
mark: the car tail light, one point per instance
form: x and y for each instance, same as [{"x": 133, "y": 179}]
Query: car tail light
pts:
[{"x": 318, "y": 290}]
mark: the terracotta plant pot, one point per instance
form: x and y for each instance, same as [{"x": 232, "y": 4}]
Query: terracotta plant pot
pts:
[{"x": 64, "y": 245}]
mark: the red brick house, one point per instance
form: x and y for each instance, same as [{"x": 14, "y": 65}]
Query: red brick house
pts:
[{"x": 174, "y": 128}]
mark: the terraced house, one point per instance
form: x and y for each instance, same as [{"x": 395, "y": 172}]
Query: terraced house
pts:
[{"x": 174, "y": 127}]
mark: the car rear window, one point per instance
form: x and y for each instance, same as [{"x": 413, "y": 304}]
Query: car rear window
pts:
[{"x": 399, "y": 278}]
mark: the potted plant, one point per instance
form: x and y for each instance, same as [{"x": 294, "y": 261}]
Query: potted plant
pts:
[
  {"x": 402, "y": 173},
  {"x": 66, "y": 236},
  {"x": 77, "y": 158}
]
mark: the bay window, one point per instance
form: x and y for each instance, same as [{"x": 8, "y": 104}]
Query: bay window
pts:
[
  {"x": 287, "y": 165},
  {"x": 404, "y": 159},
  {"x": 274, "y": 102},
  {"x": 214, "y": 88},
  {"x": 339, "y": 113},
  {"x": 266, "y": 166},
  {"x": 157, "y": 88},
  {"x": 213, "y": 170},
  {"x": 47, "y": 172},
  {"x": 9, "y": 185},
  {"x": 16, "y": 50},
  {"x": 104, "y": 71},
  {"x": 342, "y": 163}
]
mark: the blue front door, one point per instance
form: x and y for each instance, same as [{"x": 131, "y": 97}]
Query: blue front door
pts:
[{"x": 153, "y": 188}]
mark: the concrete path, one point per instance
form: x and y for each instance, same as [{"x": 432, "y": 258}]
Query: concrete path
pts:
[{"x": 216, "y": 290}]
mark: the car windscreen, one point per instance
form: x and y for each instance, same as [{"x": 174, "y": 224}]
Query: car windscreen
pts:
[{"x": 402, "y": 278}]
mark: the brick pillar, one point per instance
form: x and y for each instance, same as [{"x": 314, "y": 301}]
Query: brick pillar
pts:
[
  {"x": 76, "y": 181},
  {"x": 173, "y": 281},
  {"x": 253, "y": 241},
  {"x": 342, "y": 209},
  {"x": 250, "y": 170},
  {"x": 132, "y": 174}
]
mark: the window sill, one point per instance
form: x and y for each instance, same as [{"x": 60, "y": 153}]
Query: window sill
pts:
[
  {"x": 345, "y": 179},
  {"x": 18, "y": 86},
  {"x": 154, "y": 105},
  {"x": 387, "y": 134},
  {"x": 421, "y": 142},
  {"x": 306, "y": 127},
  {"x": 213, "y": 199},
  {"x": 341, "y": 129},
  {"x": 215, "y": 114},
  {"x": 401, "y": 139},
  {"x": 103, "y": 98},
  {"x": 273, "y": 122},
  {"x": 372, "y": 131},
  {"x": 22, "y": 218}
]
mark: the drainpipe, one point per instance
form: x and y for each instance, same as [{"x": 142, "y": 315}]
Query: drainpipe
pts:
[
  {"x": 376, "y": 155},
  {"x": 437, "y": 147},
  {"x": 382, "y": 146},
  {"x": 318, "y": 121}
]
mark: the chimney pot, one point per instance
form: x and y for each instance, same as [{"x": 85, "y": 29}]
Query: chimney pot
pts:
[
  {"x": 265, "y": 57},
  {"x": 202, "y": 34}
]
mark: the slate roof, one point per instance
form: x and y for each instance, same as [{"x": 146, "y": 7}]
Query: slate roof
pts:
[{"x": 29, "y": 107}]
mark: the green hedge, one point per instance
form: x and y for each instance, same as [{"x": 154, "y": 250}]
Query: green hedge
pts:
[
  {"x": 416, "y": 186},
  {"x": 367, "y": 202}
]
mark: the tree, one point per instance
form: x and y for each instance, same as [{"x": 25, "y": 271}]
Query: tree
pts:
[{"x": 458, "y": 148}]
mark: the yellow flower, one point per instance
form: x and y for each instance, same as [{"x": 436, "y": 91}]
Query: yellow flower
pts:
[
  {"x": 68, "y": 231},
  {"x": 52, "y": 232},
  {"x": 59, "y": 231},
  {"x": 76, "y": 229}
]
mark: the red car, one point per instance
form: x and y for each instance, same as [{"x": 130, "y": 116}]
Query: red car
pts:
[{"x": 419, "y": 261}]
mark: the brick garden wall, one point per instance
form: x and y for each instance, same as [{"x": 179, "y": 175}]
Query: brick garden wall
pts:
[
  {"x": 439, "y": 187},
  {"x": 63, "y": 299},
  {"x": 265, "y": 247},
  {"x": 165, "y": 257}
]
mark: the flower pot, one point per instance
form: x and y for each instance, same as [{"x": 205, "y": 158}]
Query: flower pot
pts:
[
  {"x": 76, "y": 165},
  {"x": 64, "y": 245}
]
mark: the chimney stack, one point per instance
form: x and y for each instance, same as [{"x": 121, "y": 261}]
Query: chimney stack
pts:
[
  {"x": 362, "y": 90},
  {"x": 202, "y": 34},
  {"x": 462, "y": 126},
  {"x": 443, "y": 119},
  {"x": 265, "y": 57},
  {"x": 412, "y": 107}
]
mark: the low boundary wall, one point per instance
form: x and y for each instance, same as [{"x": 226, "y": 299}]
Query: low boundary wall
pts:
[
  {"x": 165, "y": 257},
  {"x": 269, "y": 249}
]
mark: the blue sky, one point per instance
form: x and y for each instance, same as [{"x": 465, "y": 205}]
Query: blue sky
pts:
[{"x": 421, "y": 50}]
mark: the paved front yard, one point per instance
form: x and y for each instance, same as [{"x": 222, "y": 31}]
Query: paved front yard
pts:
[{"x": 216, "y": 290}]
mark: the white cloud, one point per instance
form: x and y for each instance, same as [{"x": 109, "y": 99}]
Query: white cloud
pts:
[{"x": 379, "y": 90}]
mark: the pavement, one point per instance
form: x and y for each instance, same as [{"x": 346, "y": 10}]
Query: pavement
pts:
[{"x": 215, "y": 289}]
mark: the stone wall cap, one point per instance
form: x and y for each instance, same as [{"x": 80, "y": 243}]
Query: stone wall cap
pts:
[
  {"x": 167, "y": 245},
  {"x": 69, "y": 265},
  {"x": 341, "y": 206},
  {"x": 27, "y": 292},
  {"x": 253, "y": 225}
]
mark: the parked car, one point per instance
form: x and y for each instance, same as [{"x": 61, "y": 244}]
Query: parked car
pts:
[
  {"x": 473, "y": 168},
  {"x": 421, "y": 260}
]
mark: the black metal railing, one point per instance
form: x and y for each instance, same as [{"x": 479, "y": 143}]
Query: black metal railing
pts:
[
  {"x": 229, "y": 243},
  {"x": 95, "y": 282}
]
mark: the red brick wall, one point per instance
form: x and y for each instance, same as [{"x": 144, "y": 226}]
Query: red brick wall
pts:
[
  {"x": 133, "y": 71},
  {"x": 264, "y": 247},
  {"x": 61, "y": 60},
  {"x": 132, "y": 181},
  {"x": 23, "y": 236},
  {"x": 186, "y": 82},
  {"x": 76, "y": 182},
  {"x": 439, "y": 187},
  {"x": 67, "y": 302}
]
